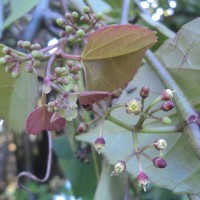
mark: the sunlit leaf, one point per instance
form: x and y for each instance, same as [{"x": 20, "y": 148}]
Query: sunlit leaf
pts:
[
  {"x": 92, "y": 97},
  {"x": 40, "y": 120},
  {"x": 113, "y": 54},
  {"x": 17, "y": 97}
]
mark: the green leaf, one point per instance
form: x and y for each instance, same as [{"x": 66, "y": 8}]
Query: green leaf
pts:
[
  {"x": 113, "y": 54},
  {"x": 82, "y": 176},
  {"x": 111, "y": 187},
  {"x": 18, "y": 10},
  {"x": 181, "y": 57},
  {"x": 17, "y": 97}
]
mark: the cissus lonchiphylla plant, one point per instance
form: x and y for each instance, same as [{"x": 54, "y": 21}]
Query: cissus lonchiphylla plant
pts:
[{"x": 110, "y": 59}]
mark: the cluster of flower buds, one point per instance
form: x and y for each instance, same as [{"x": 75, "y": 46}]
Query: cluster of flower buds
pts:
[
  {"x": 28, "y": 46},
  {"x": 142, "y": 177},
  {"x": 69, "y": 23},
  {"x": 11, "y": 61},
  {"x": 64, "y": 106}
]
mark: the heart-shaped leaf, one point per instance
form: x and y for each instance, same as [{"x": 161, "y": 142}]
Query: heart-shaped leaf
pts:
[
  {"x": 40, "y": 120},
  {"x": 17, "y": 96},
  {"x": 113, "y": 54},
  {"x": 87, "y": 98}
]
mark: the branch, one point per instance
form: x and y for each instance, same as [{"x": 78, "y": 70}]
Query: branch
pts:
[{"x": 184, "y": 108}]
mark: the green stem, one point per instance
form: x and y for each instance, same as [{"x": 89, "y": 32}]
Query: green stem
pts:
[
  {"x": 119, "y": 123},
  {"x": 96, "y": 164},
  {"x": 184, "y": 108},
  {"x": 115, "y": 107},
  {"x": 167, "y": 129},
  {"x": 144, "y": 115}
]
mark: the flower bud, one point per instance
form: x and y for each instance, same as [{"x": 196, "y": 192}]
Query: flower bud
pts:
[
  {"x": 2, "y": 61},
  {"x": 167, "y": 94},
  {"x": 116, "y": 93},
  {"x": 159, "y": 162},
  {"x": 36, "y": 63},
  {"x": 80, "y": 33},
  {"x": 26, "y": 44},
  {"x": 15, "y": 73},
  {"x": 119, "y": 167},
  {"x": 99, "y": 16},
  {"x": 165, "y": 120},
  {"x": 99, "y": 144},
  {"x": 82, "y": 127},
  {"x": 84, "y": 19},
  {"x": 143, "y": 179},
  {"x": 68, "y": 15},
  {"x": 160, "y": 144},
  {"x": 60, "y": 22},
  {"x": 6, "y": 50},
  {"x": 19, "y": 43},
  {"x": 168, "y": 105},
  {"x": 86, "y": 9},
  {"x": 144, "y": 92},
  {"x": 69, "y": 29},
  {"x": 36, "y": 54},
  {"x": 74, "y": 14},
  {"x": 133, "y": 106},
  {"x": 29, "y": 67}
]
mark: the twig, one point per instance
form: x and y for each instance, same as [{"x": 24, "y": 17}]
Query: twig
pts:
[{"x": 32, "y": 176}]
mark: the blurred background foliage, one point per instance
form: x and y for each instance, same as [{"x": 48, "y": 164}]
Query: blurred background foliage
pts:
[{"x": 73, "y": 174}]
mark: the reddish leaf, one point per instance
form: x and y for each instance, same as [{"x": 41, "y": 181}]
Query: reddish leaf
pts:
[
  {"x": 113, "y": 54},
  {"x": 39, "y": 120},
  {"x": 87, "y": 98}
]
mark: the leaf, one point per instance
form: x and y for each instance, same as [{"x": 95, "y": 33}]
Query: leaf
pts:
[
  {"x": 81, "y": 176},
  {"x": 40, "y": 120},
  {"x": 18, "y": 10},
  {"x": 17, "y": 97},
  {"x": 92, "y": 97},
  {"x": 111, "y": 187},
  {"x": 182, "y": 174},
  {"x": 113, "y": 54},
  {"x": 181, "y": 57}
]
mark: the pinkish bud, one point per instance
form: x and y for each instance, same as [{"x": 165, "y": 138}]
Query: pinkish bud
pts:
[
  {"x": 143, "y": 179},
  {"x": 159, "y": 162},
  {"x": 144, "y": 92},
  {"x": 116, "y": 93},
  {"x": 82, "y": 127},
  {"x": 168, "y": 105},
  {"x": 99, "y": 144},
  {"x": 167, "y": 94}
]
